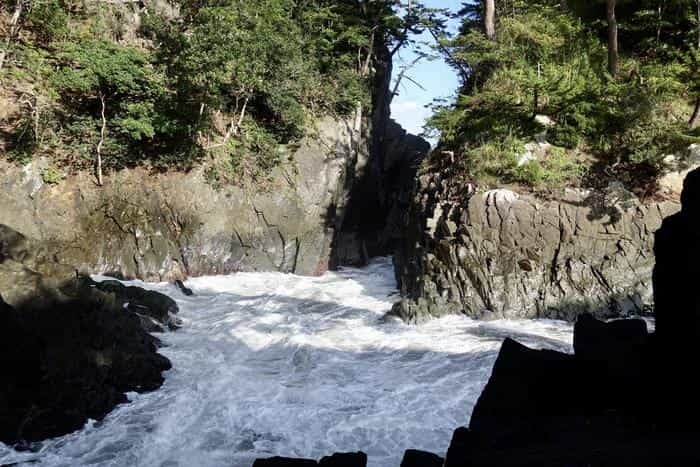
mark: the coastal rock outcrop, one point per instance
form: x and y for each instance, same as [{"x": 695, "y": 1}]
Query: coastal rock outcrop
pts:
[
  {"x": 626, "y": 397},
  {"x": 70, "y": 348},
  {"x": 501, "y": 254},
  {"x": 166, "y": 226},
  {"x": 70, "y": 358},
  {"x": 380, "y": 196}
]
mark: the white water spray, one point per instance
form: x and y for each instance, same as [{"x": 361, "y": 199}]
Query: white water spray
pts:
[{"x": 273, "y": 364}]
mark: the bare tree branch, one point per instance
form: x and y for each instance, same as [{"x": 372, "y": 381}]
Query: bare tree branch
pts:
[{"x": 14, "y": 26}]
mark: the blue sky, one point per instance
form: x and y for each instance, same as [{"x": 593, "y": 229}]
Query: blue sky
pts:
[{"x": 438, "y": 79}]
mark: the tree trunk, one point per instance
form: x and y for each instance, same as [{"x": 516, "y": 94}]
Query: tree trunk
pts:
[
  {"x": 612, "y": 37},
  {"x": 698, "y": 2},
  {"x": 364, "y": 72},
  {"x": 234, "y": 127},
  {"x": 490, "y": 19},
  {"x": 695, "y": 119},
  {"x": 103, "y": 131},
  {"x": 14, "y": 22},
  {"x": 402, "y": 75}
]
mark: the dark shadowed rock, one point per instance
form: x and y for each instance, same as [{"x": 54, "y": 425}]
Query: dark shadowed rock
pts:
[
  {"x": 414, "y": 458},
  {"x": 677, "y": 310},
  {"x": 625, "y": 398},
  {"x": 616, "y": 352},
  {"x": 598, "y": 340},
  {"x": 527, "y": 387},
  {"x": 542, "y": 408},
  {"x": 185, "y": 290},
  {"x": 70, "y": 360},
  {"x": 380, "y": 195},
  {"x": 284, "y": 462},
  {"x": 346, "y": 459},
  {"x": 677, "y": 251},
  {"x": 155, "y": 309}
]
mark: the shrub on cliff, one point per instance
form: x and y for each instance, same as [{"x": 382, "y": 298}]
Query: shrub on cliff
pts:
[
  {"x": 180, "y": 80},
  {"x": 550, "y": 58}
]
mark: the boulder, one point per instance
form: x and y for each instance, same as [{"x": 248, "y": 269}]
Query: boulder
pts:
[
  {"x": 346, "y": 459},
  {"x": 414, "y": 458},
  {"x": 284, "y": 462},
  {"x": 70, "y": 359}
]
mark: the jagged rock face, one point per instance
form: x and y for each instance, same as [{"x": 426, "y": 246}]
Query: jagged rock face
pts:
[
  {"x": 72, "y": 354},
  {"x": 381, "y": 195},
  {"x": 502, "y": 255},
  {"x": 168, "y": 226}
]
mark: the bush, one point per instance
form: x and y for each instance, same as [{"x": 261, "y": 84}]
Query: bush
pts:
[
  {"x": 50, "y": 176},
  {"x": 546, "y": 60}
]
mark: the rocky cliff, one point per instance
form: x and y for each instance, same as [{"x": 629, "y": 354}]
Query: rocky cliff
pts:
[
  {"x": 169, "y": 225},
  {"x": 500, "y": 254}
]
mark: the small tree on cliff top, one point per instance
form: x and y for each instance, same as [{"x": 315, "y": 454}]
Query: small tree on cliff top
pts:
[{"x": 113, "y": 83}]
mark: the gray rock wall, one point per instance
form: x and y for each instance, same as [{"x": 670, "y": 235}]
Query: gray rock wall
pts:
[
  {"x": 503, "y": 255},
  {"x": 380, "y": 197},
  {"x": 167, "y": 226}
]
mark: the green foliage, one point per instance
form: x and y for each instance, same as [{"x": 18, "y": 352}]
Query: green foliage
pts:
[
  {"x": 498, "y": 162},
  {"x": 99, "y": 77},
  {"x": 50, "y": 176},
  {"x": 551, "y": 61},
  {"x": 228, "y": 78},
  {"x": 49, "y": 20}
]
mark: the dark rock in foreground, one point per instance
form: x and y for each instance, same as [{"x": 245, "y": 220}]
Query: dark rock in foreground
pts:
[
  {"x": 285, "y": 462},
  {"x": 70, "y": 358},
  {"x": 347, "y": 459},
  {"x": 546, "y": 408},
  {"x": 414, "y": 458},
  {"x": 625, "y": 398}
]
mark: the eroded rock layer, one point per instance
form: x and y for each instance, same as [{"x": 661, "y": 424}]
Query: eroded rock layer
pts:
[
  {"x": 168, "y": 226},
  {"x": 500, "y": 254}
]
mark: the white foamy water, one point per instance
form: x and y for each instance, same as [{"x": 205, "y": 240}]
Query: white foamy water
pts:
[{"x": 273, "y": 364}]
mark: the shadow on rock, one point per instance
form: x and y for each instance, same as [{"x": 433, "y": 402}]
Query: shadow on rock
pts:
[
  {"x": 70, "y": 354},
  {"x": 626, "y": 397}
]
